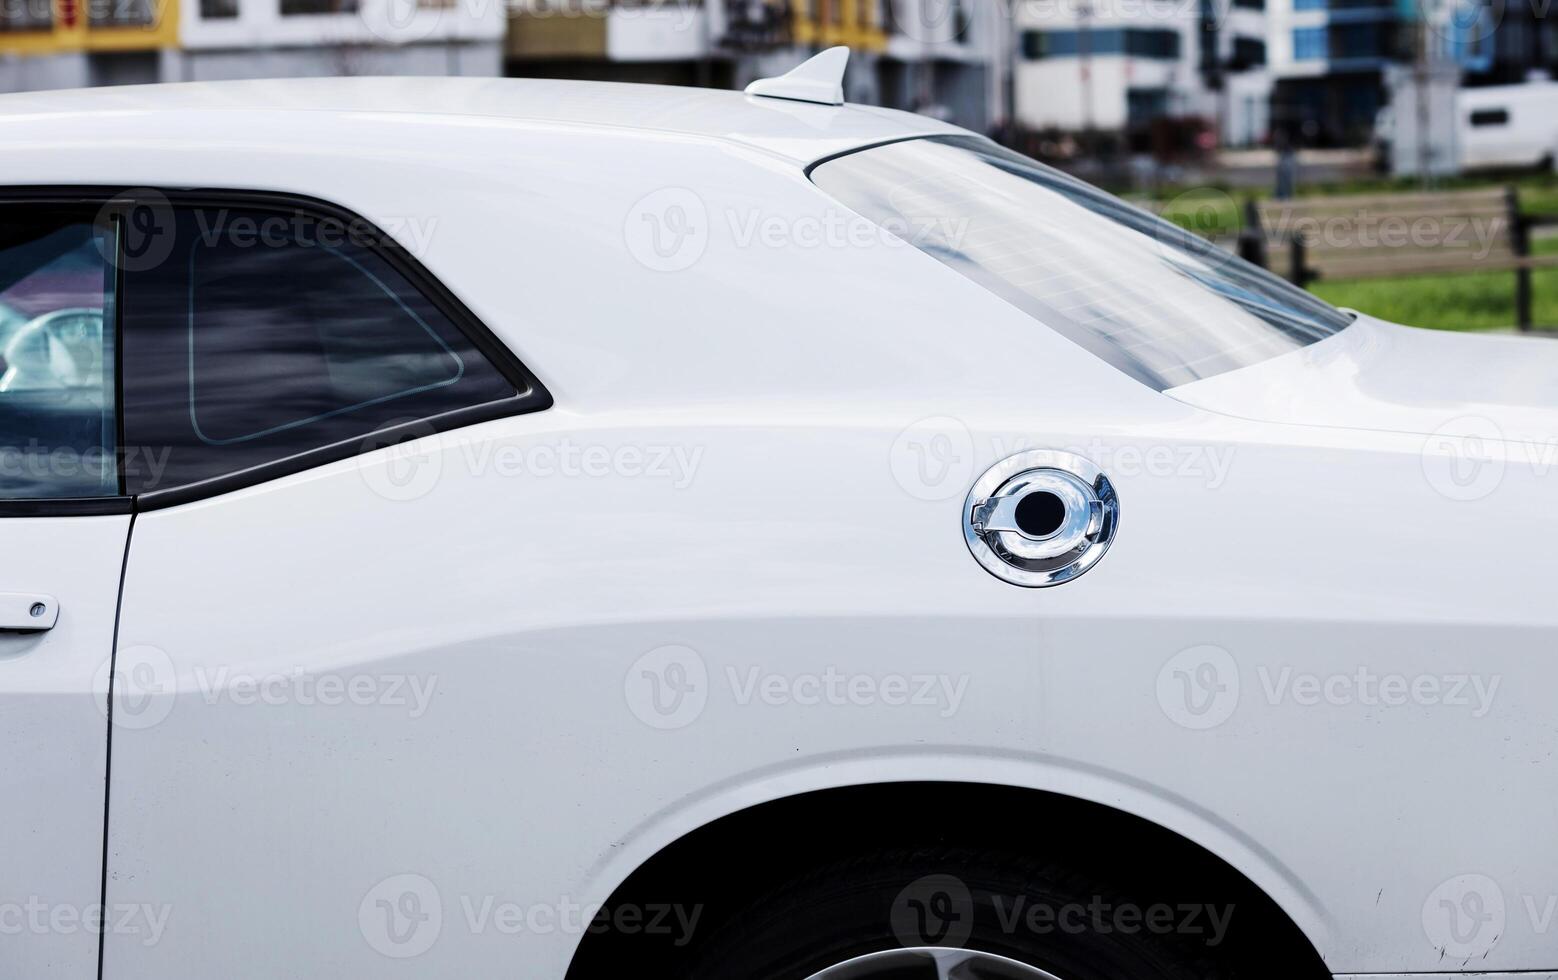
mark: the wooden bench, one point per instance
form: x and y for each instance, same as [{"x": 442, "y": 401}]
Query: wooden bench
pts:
[{"x": 1389, "y": 235}]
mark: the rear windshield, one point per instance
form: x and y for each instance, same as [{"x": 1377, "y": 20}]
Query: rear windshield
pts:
[{"x": 1159, "y": 303}]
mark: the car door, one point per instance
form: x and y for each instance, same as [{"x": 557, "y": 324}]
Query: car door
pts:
[
  {"x": 281, "y": 576},
  {"x": 63, "y": 531}
]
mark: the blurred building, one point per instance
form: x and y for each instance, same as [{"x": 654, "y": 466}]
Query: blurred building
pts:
[
  {"x": 1501, "y": 43},
  {"x": 950, "y": 59},
  {"x": 1138, "y": 68},
  {"x": 1337, "y": 62},
  {"x": 943, "y": 57},
  {"x": 224, "y": 39},
  {"x": 1331, "y": 59},
  {"x": 70, "y": 43}
]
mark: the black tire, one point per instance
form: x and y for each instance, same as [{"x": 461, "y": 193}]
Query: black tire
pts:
[{"x": 978, "y": 900}]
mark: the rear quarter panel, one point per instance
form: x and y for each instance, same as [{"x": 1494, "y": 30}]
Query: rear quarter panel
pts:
[{"x": 817, "y": 411}]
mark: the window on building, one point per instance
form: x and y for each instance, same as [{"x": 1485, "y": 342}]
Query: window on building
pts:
[
  {"x": 218, "y": 9},
  {"x": 1357, "y": 41},
  {"x": 1308, "y": 43},
  {"x": 1248, "y": 52},
  {"x": 303, "y": 8},
  {"x": 58, "y": 420},
  {"x": 1250, "y": 4},
  {"x": 1138, "y": 43},
  {"x": 1152, "y": 44},
  {"x": 1143, "y": 105},
  {"x": 224, "y": 371}
]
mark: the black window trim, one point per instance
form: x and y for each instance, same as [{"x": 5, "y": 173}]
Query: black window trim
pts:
[{"x": 532, "y": 394}]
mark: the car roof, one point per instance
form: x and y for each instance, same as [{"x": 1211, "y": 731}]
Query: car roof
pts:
[{"x": 802, "y": 132}]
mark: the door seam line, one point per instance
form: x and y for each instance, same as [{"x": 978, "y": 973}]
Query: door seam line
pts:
[{"x": 108, "y": 750}]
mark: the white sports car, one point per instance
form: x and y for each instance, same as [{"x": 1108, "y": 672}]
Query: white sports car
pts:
[{"x": 480, "y": 528}]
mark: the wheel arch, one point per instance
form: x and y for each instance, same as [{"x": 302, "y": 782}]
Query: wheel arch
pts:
[{"x": 751, "y": 843}]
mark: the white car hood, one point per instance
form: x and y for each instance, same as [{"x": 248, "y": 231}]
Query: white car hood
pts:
[{"x": 1378, "y": 375}]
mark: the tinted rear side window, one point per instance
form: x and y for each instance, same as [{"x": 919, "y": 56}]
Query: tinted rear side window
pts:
[
  {"x": 58, "y": 424},
  {"x": 265, "y": 334}
]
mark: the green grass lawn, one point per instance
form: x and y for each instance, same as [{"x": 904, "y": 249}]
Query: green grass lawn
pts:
[
  {"x": 1464, "y": 301},
  {"x": 1538, "y": 191}
]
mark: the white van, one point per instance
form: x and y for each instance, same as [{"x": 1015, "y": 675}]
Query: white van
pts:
[{"x": 1507, "y": 125}]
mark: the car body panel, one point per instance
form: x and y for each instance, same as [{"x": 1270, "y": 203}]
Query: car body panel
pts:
[
  {"x": 758, "y": 454},
  {"x": 796, "y": 131},
  {"x": 54, "y": 730},
  {"x": 1062, "y": 692},
  {"x": 1378, "y": 375}
]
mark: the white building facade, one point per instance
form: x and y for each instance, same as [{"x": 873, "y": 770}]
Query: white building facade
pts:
[
  {"x": 950, "y": 59},
  {"x": 946, "y": 58},
  {"x": 1121, "y": 65},
  {"x": 138, "y": 41},
  {"x": 1330, "y": 60},
  {"x": 224, "y": 39}
]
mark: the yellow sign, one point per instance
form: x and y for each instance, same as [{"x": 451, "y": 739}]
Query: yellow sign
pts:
[{"x": 34, "y": 27}]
